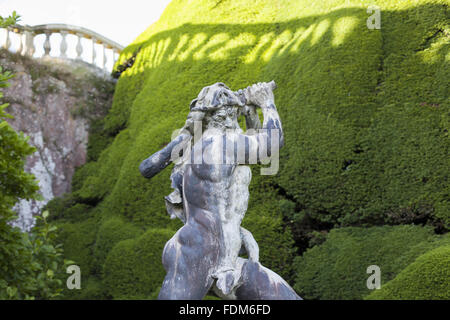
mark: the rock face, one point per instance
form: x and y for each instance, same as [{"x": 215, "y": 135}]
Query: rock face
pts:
[{"x": 53, "y": 102}]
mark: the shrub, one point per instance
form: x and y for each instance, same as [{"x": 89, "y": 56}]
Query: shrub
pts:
[
  {"x": 78, "y": 239},
  {"x": 428, "y": 277},
  {"x": 337, "y": 268},
  {"x": 111, "y": 232},
  {"x": 133, "y": 268},
  {"x": 275, "y": 244},
  {"x": 155, "y": 294},
  {"x": 30, "y": 264},
  {"x": 98, "y": 139},
  {"x": 82, "y": 173},
  {"x": 91, "y": 288}
]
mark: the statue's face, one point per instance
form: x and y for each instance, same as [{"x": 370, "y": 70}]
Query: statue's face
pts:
[
  {"x": 227, "y": 116},
  {"x": 220, "y": 106},
  {"x": 215, "y": 97},
  {"x": 224, "y": 97}
]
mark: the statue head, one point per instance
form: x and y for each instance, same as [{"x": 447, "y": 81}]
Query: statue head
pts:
[
  {"x": 217, "y": 106},
  {"x": 215, "y": 97}
]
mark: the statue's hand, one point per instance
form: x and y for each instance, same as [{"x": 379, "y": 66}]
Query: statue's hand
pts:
[
  {"x": 260, "y": 94},
  {"x": 248, "y": 111}
]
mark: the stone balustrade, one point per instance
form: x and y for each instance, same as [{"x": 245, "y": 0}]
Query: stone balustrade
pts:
[{"x": 27, "y": 34}]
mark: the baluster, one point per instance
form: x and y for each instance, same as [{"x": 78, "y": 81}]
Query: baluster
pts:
[
  {"x": 26, "y": 45},
  {"x": 7, "y": 43},
  {"x": 104, "y": 57},
  {"x": 63, "y": 46},
  {"x": 21, "y": 36},
  {"x": 115, "y": 56},
  {"x": 94, "y": 54},
  {"x": 47, "y": 45},
  {"x": 79, "y": 47},
  {"x": 29, "y": 43}
]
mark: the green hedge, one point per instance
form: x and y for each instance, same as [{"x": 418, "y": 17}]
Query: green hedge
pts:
[
  {"x": 364, "y": 115},
  {"x": 133, "y": 268},
  {"x": 426, "y": 278},
  {"x": 91, "y": 288},
  {"x": 275, "y": 244},
  {"x": 111, "y": 232},
  {"x": 78, "y": 240},
  {"x": 337, "y": 268}
]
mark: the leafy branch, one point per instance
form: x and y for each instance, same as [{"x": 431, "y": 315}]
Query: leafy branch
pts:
[{"x": 9, "y": 21}]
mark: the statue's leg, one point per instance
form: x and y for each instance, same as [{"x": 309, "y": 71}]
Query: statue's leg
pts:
[
  {"x": 261, "y": 283},
  {"x": 188, "y": 258}
]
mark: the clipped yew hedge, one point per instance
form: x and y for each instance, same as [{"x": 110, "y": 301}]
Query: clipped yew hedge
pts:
[{"x": 365, "y": 115}]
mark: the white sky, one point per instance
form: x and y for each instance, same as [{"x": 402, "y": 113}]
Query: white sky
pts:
[{"x": 121, "y": 21}]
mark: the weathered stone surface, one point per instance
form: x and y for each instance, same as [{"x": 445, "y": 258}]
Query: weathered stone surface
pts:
[
  {"x": 210, "y": 182},
  {"x": 52, "y": 101}
]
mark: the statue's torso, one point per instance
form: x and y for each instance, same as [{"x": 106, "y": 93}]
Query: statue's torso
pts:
[
  {"x": 220, "y": 188},
  {"x": 216, "y": 197}
]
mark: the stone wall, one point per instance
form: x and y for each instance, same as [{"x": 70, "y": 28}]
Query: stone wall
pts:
[{"x": 53, "y": 102}]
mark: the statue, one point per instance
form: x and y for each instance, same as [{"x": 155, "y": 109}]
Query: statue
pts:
[{"x": 210, "y": 181}]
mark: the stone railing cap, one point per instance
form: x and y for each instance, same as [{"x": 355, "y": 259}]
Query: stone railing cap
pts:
[{"x": 58, "y": 27}]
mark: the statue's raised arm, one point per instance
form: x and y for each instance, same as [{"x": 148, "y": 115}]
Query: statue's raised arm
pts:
[
  {"x": 265, "y": 141},
  {"x": 161, "y": 159}
]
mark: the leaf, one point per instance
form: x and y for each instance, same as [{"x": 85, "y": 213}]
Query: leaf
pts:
[
  {"x": 3, "y": 124},
  {"x": 11, "y": 291}
]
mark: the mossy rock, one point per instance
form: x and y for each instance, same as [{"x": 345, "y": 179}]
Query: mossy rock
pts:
[{"x": 427, "y": 278}]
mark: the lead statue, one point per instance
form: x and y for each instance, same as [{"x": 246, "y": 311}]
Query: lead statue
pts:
[{"x": 210, "y": 179}]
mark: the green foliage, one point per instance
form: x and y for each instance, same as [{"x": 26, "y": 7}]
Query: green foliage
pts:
[
  {"x": 32, "y": 265},
  {"x": 275, "y": 243},
  {"x": 111, "y": 232},
  {"x": 10, "y": 20},
  {"x": 365, "y": 115},
  {"x": 349, "y": 134},
  {"x": 50, "y": 274},
  {"x": 98, "y": 139},
  {"x": 155, "y": 294},
  {"x": 133, "y": 268},
  {"x": 67, "y": 207},
  {"x": 337, "y": 268},
  {"x": 15, "y": 183},
  {"x": 78, "y": 239},
  {"x": 91, "y": 288},
  {"x": 81, "y": 174},
  {"x": 15, "y": 262},
  {"x": 427, "y": 278}
]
